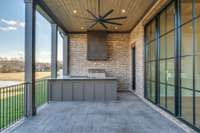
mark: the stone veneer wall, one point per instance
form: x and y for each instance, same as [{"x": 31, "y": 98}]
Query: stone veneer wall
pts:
[
  {"x": 117, "y": 65},
  {"x": 137, "y": 40}
]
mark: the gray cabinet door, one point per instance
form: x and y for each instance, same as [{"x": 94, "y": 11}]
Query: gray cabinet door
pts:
[
  {"x": 67, "y": 91},
  {"x": 78, "y": 90},
  {"x": 56, "y": 90},
  {"x": 110, "y": 90},
  {"x": 89, "y": 90},
  {"x": 99, "y": 90}
]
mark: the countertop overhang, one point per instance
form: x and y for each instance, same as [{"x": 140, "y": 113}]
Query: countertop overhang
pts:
[{"x": 82, "y": 78}]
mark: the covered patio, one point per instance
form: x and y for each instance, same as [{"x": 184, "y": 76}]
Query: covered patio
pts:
[
  {"x": 128, "y": 114},
  {"x": 111, "y": 73}
]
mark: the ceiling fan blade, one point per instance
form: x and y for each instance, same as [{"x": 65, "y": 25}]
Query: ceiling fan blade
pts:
[
  {"x": 108, "y": 13},
  {"x": 112, "y": 23},
  {"x": 91, "y": 14},
  {"x": 117, "y": 18},
  {"x": 99, "y": 7},
  {"x": 92, "y": 25},
  {"x": 103, "y": 25}
]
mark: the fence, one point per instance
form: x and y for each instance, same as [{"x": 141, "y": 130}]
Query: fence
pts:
[
  {"x": 41, "y": 92},
  {"x": 11, "y": 104},
  {"x": 12, "y": 101}
]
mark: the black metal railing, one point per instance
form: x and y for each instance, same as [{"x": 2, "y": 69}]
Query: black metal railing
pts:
[
  {"x": 41, "y": 92},
  {"x": 12, "y": 102}
]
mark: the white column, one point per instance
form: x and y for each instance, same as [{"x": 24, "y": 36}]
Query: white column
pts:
[
  {"x": 54, "y": 36},
  {"x": 30, "y": 108},
  {"x": 65, "y": 55}
]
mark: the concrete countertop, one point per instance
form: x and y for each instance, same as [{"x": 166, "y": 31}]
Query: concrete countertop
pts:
[{"x": 81, "y": 78}]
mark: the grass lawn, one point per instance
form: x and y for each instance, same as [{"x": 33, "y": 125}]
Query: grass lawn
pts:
[
  {"x": 19, "y": 76},
  {"x": 12, "y": 102}
]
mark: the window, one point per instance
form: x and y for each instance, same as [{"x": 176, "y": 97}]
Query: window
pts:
[
  {"x": 166, "y": 60},
  {"x": 197, "y": 69},
  {"x": 197, "y": 8},
  {"x": 161, "y": 61},
  {"x": 186, "y": 39},
  {"x": 186, "y": 10},
  {"x": 188, "y": 62},
  {"x": 150, "y": 61}
]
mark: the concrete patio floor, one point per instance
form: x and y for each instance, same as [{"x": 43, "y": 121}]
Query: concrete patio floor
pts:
[{"x": 127, "y": 115}]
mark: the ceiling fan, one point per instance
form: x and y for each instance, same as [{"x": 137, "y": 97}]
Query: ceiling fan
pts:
[{"x": 103, "y": 19}]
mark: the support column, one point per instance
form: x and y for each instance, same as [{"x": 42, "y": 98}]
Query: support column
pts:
[
  {"x": 30, "y": 108},
  {"x": 54, "y": 36},
  {"x": 65, "y": 55}
]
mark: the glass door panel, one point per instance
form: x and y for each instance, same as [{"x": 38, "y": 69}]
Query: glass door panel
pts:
[
  {"x": 162, "y": 95},
  {"x": 153, "y": 91},
  {"x": 162, "y": 72},
  {"x": 187, "y": 105},
  {"x": 170, "y": 18},
  {"x": 162, "y": 47},
  {"x": 186, "y": 11},
  {"x": 197, "y": 106},
  {"x": 186, "y": 39},
  {"x": 171, "y": 98},
  {"x": 187, "y": 72},
  {"x": 197, "y": 7},
  {"x": 170, "y": 44}
]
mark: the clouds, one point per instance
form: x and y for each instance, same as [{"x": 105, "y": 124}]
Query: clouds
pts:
[
  {"x": 10, "y": 25},
  {"x": 43, "y": 56},
  {"x": 20, "y": 52}
]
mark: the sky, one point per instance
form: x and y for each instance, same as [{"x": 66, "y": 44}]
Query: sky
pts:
[{"x": 12, "y": 30}]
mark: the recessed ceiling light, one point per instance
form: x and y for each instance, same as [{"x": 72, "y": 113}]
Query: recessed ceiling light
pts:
[
  {"x": 123, "y": 10},
  {"x": 82, "y": 28},
  {"x": 74, "y": 11}
]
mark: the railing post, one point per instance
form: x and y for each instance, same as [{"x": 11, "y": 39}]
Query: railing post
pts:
[
  {"x": 54, "y": 36},
  {"x": 65, "y": 55},
  {"x": 30, "y": 108}
]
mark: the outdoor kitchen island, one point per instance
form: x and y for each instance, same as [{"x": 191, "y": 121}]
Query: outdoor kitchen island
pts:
[{"x": 77, "y": 88}]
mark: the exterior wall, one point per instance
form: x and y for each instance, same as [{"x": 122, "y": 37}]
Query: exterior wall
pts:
[
  {"x": 117, "y": 65},
  {"x": 137, "y": 40}
]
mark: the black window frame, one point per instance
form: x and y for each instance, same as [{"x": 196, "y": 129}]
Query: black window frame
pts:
[{"x": 177, "y": 60}]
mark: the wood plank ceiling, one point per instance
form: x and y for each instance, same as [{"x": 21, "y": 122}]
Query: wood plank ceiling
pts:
[{"x": 64, "y": 11}]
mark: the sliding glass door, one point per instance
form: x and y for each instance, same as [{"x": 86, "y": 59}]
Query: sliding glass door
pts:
[
  {"x": 167, "y": 58},
  {"x": 197, "y": 71},
  {"x": 186, "y": 57},
  {"x": 172, "y": 60},
  {"x": 190, "y": 44},
  {"x": 151, "y": 61}
]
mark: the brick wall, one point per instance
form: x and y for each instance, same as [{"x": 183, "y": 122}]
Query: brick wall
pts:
[
  {"x": 119, "y": 45},
  {"x": 137, "y": 41},
  {"x": 117, "y": 65}
]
